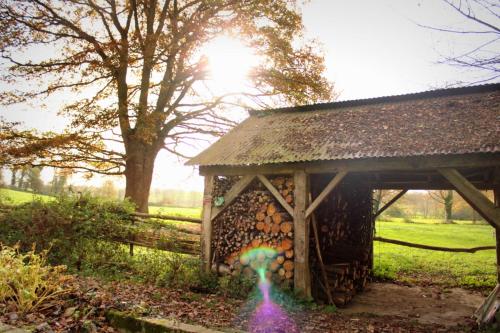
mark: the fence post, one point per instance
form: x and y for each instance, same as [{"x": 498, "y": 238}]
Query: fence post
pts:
[{"x": 131, "y": 245}]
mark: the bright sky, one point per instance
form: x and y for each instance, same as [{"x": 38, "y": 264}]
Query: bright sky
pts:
[{"x": 372, "y": 48}]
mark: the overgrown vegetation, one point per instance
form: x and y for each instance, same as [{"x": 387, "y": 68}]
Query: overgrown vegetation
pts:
[
  {"x": 28, "y": 283},
  {"x": 82, "y": 232},
  {"x": 78, "y": 230}
]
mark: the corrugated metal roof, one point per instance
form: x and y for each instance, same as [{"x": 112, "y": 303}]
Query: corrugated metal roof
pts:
[{"x": 452, "y": 121}]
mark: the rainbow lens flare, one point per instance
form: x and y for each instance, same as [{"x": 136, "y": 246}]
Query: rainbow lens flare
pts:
[{"x": 268, "y": 316}]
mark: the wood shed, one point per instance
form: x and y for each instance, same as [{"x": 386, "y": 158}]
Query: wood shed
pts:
[{"x": 300, "y": 179}]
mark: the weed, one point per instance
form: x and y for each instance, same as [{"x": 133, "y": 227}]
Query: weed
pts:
[{"x": 27, "y": 283}]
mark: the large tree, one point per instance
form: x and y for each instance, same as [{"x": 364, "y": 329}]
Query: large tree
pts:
[
  {"x": 139, "y": 72},
  {"x": 480, "y": 29}
]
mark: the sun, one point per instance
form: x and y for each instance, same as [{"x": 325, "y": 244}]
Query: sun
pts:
[{"x": 230, "y": 62}]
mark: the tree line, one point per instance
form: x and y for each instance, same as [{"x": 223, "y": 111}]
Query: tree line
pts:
[
  {"x": 444, "y": 205},
  {"x": 29, "y": 179}
]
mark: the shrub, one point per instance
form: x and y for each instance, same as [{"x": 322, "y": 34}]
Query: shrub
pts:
[
  {"x": 238, "y": 286},
  {"x": 77, "y": 230},
  {"x": 167, "y": 269},
  {"x": 27, "y": 283}
]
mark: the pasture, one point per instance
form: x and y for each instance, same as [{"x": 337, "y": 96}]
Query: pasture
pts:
[
  {"x": 436, "y": 267},
  {"x": 15, "y": 197}
]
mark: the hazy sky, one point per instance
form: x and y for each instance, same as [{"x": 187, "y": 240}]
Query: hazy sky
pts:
[{"x": 372, "y": 48}]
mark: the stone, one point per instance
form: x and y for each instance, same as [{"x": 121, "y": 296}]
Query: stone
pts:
[
  {"x": 89, "y": 327},
  {"x": 13, "y": 316},
  {"x": 43, "y": 327},
  {"x": 69, "y": 311}
]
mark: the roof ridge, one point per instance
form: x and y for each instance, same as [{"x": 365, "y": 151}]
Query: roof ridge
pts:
[{"x": 442, "y": 92}]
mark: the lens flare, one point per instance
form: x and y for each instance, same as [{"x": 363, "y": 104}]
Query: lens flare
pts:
[{"x": 268, "y": 317}]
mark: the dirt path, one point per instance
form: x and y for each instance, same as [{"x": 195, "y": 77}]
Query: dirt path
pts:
[{"x": 424, "y": 304}]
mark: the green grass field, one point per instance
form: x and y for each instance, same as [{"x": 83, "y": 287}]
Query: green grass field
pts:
[
  {"x": 411, "y": 264},
  {"x": 176, "y": 211},
  {"x": 18, "y": 197}
]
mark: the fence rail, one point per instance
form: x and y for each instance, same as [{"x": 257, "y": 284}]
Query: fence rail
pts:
[
  {"x": 432, "y": 247},
  {"x": 173, "y": 238},
  {"x": 167, "y": 217}
]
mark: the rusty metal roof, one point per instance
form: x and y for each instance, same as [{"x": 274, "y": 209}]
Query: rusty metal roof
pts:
[{"x": 441, "y": 122}]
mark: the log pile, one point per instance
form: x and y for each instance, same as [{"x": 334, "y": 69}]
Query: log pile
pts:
[
  {"x": 346, "y": 279},
  {"x": 223, "y": 184},
  {"x": 345, "y": 237},
  {"x": 255, "y": 219}
]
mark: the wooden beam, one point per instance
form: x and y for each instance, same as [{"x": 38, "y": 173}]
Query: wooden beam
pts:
[
  {"x": 166, "y": 217},
  {"x": 302, "y": 279},
  {"x": 423, "y": 185},
  {"x": 331, "y": 185},
  {"x": 389, "y": 204},
  {"x": 276, "y": 194},
  {"x": 206, "y": 224},
  {"x": 432, "y": 247},
  {"x": 320, "y": 259},
  {"x": 477, "y": 160},
  {"x": 473, "y": 196},
  {"x": 483, "y": 313},
  {"x": 232, "y": 194}
]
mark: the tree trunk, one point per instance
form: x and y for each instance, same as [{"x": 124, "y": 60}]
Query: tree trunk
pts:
[
  {"x": 139, "y": 174},
  {"x": 448, "y": 205},
  {"x": 13, "y": 179}
]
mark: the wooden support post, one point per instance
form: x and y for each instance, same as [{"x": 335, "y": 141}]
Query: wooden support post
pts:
[
  {"x": 389, "y": 204},
  {"x": 206, "y": 224},
  {"x": 473, "y": 196},
  {"x": 331, "y": 185},
  {"x": 302, "y": 278},
  {"x": 496, "y": 193}
]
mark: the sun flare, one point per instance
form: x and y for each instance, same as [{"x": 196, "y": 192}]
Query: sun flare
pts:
[{"x": 230, "y": 62}]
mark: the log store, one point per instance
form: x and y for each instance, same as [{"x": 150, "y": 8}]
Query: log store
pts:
[{"x": 300, "y": 180}]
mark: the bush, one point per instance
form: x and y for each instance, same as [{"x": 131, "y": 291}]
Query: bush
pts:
[
  {"x": 238, "y": 286},
  {"x": 167, "y": 269},
  {"x": 77, "y": 230},
  {"x": 27, "y": 283}
]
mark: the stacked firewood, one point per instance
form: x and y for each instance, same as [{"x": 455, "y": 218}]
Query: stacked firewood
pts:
[
  {"x": 345, "y": 239},
  {"x": 345, "y": 280},
  {"x": 255, "y": 219},
  {"x": 223, "y": 184}
]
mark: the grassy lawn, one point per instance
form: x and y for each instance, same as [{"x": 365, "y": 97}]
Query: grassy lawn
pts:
[
  {"x": 410, "y": 264},
  {"x": 14, "y": 197},
  {"x": 176, "y": 211}
]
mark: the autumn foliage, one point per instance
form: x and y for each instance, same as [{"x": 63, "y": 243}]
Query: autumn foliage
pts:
[{"x": 136, "y": 72}]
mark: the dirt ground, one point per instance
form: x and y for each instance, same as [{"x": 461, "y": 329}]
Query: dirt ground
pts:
[
  {"x": 384, "y": 308},
  {"x": 427, "y": 305}
]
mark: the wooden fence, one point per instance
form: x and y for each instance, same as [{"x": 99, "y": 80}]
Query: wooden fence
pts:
[
  {"x": 186, "y": 238},
  {"x": 156, "y": 235}
]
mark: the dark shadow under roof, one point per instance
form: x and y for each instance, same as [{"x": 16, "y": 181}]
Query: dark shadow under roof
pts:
[{"x": 440, "y": 122}]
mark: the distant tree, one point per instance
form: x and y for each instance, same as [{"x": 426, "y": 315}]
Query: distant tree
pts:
[
  {"x": 13, "y": 180},
  {"x": 108, "y": 189},
  {"x": 21, "y": 183},
  {"x": 59, "y": 180},
  {"x": 34, "y": 180},
  {"x": 483, "y": 36},
  {"x": 140, "y": 66},
  {"x": 445, "y": 198}
]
